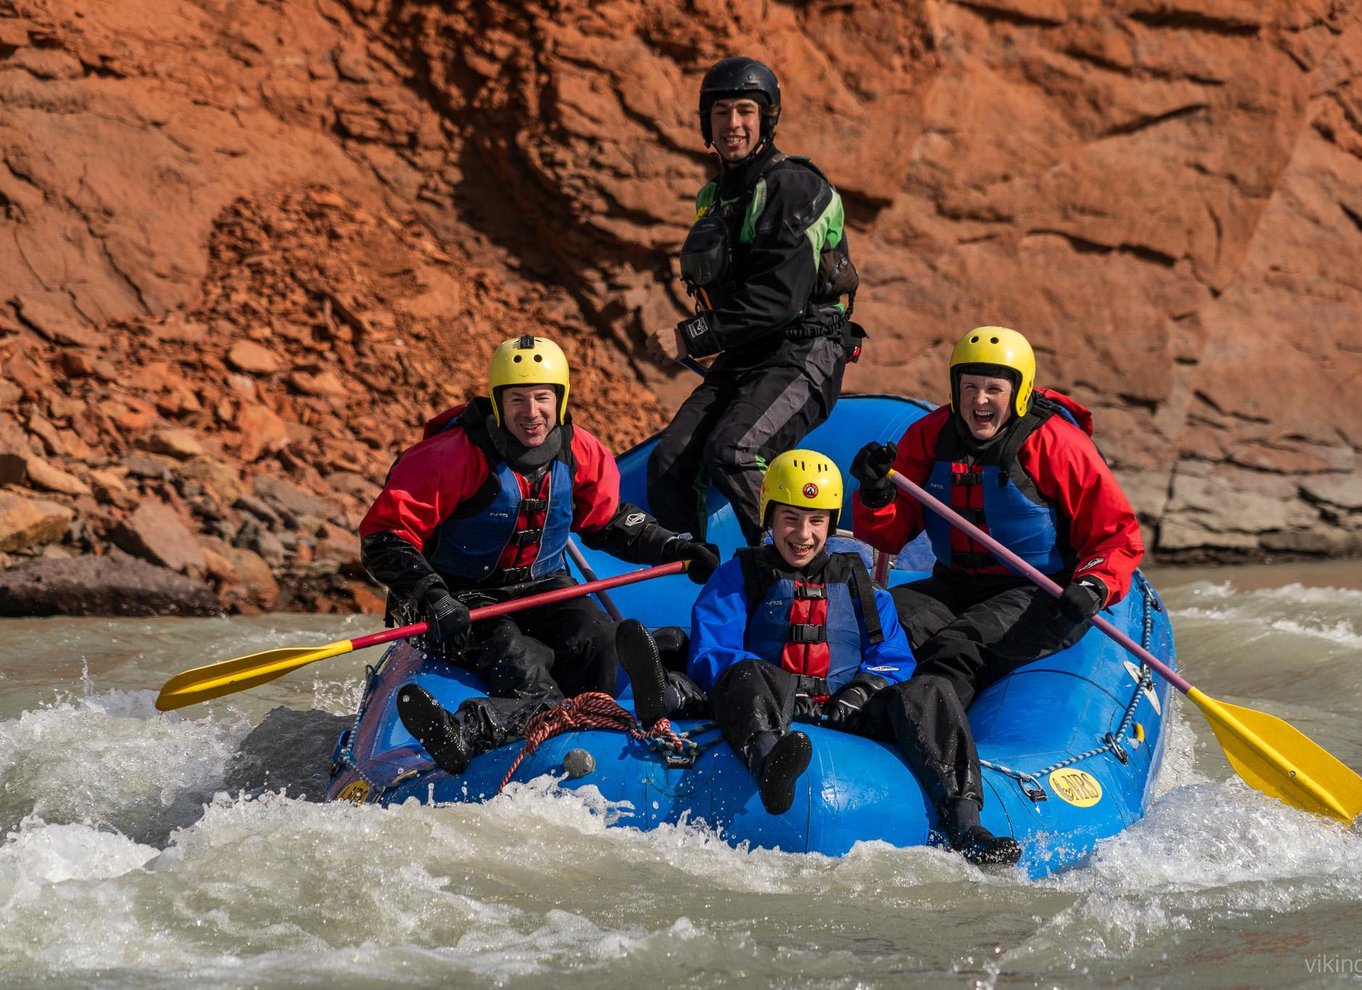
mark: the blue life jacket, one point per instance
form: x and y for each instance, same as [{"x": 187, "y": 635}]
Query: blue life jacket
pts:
[
  {"x": 994, "y": 493},
  {"x": 467, "y": 547},
  {"x": 774, "y": 591}
]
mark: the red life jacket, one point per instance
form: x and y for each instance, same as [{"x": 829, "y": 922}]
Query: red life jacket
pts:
[{"x": 818, "y": 635}]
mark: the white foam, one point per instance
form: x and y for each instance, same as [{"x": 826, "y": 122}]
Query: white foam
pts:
[
  {"x": 1299, "y": 594},
  {"x": 105, "y": 760},
  {"x": 338, "y": 697},
  {"x": 1341, "y": 632},
  {"x": 46, "y": 854}
]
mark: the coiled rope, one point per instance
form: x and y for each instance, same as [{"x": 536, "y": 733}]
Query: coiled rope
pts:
[{"x": 592, "y": 710}]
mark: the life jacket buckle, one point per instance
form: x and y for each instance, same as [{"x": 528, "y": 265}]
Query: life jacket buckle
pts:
[
  {"x": 807, "y": 632},
  {"x": 525, "y": 537},
  {"x": 512, "y": 575}
]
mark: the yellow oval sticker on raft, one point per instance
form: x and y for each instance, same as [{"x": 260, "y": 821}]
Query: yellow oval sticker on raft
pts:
[
  {"x": 356, "y": 792},
  {"x": 1078, "y": 788}
]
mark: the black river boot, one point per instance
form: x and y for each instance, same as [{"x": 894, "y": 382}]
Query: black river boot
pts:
[
  {"x": 640, "y": 660},
  {"x": 434, "y": 728},
  {"x": 970, "y": 839},
  {"x": 778, "y": 765}
]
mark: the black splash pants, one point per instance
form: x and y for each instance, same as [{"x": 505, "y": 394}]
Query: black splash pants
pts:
[
  {"x": 547, "y": 652},
  {"x": 965, "y": 634},
  {"x": 738, "y": 419}
]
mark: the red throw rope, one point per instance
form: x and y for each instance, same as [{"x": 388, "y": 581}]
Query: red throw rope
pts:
[{"x": 592, "y": 710}]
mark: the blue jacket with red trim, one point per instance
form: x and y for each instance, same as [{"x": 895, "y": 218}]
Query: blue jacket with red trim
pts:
[{"x": 722, "y": 633}]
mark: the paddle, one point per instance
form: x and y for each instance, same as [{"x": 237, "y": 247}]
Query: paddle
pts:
[
  {"x": 1270, "y": 754},
  {"x": 578, "y": 558},
  {"x": 693, "y": 365},
  {"x": 231, "y": 676}
]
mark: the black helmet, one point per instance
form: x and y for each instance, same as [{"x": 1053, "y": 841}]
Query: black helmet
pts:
[{"x": 740, "y": 76}]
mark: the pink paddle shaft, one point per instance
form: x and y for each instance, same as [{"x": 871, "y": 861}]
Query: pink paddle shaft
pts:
[{"x": 529, "y": 601}]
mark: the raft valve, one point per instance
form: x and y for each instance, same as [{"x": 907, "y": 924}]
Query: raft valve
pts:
[{"x": 578, "y": 763}]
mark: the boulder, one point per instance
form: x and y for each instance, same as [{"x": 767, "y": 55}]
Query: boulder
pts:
[
  {"x": 323, "y": 383},
  {"x": 179, "y": 444},
  {"x": 31, "y": 522},
  {"x": 248, "y": 356},
  {"x": 253, "y": 583},
  {"x": 290, "y": 497},
  {"x": 224, "y": 479},
  {"x": 1342, "y": 491},
  {"x": 44, "y": 475},
  {"x": 113, "y": 584},
  {"x": 156, "y": 532},
  {"x": 263, "y": 432}
]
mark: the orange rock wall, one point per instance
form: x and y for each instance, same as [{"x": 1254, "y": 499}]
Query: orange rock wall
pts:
[{"x": 295, "y": 230}]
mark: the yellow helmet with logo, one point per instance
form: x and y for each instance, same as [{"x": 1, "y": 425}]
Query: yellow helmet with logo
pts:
[
  {"x": 998, "y": 353},
  {"x": 528, "y": 361},
  {"x": 804, "y": 479}
]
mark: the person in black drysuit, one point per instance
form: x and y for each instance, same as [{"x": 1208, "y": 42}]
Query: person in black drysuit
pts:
[{"x": 768, "y": 265}]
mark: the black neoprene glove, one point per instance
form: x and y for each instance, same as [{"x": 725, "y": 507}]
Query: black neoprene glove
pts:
[
  {"x": 871, "y": 467},
  {"x": 842, "y": 707},
  {"x": 448, "y": 618},
  {"x": 1083, "y": 598},
  {"x": 702, "y": 558}
]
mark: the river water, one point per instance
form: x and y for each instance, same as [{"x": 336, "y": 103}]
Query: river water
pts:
[{"x": 145, "y": 849}]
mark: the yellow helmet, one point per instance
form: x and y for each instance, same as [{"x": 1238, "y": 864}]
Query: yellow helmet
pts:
[
  {"x": 996, "y": 352},
  {"x": 528, "y": 361},
  {"x": 804, "y": 479}
]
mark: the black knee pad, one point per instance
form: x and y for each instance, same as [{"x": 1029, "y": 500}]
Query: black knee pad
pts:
[
  {"x": 521, "y": 671},
  {"x": 673, "y": 648}
]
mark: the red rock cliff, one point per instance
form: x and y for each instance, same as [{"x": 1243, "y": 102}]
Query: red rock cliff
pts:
[{"x": 247, "y": 248}]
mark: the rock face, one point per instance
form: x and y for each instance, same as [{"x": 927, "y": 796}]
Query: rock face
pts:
[
  {"x": 253, "y": 246},
  {"x": 107, "y": 585}
]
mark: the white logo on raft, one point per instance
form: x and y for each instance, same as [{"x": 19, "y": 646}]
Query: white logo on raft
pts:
[{"x": 1148, "y": 689}]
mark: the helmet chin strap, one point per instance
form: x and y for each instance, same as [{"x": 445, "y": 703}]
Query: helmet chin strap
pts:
[{"x": 750, "y": 157}]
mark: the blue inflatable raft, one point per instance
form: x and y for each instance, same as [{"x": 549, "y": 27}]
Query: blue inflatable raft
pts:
[{"x": 1071, "y": 745}]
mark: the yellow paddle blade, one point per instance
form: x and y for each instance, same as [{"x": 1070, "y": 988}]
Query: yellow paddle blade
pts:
[
  {"x": 1278, "y": 759},
  {"x": 227, "y": 676}
]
